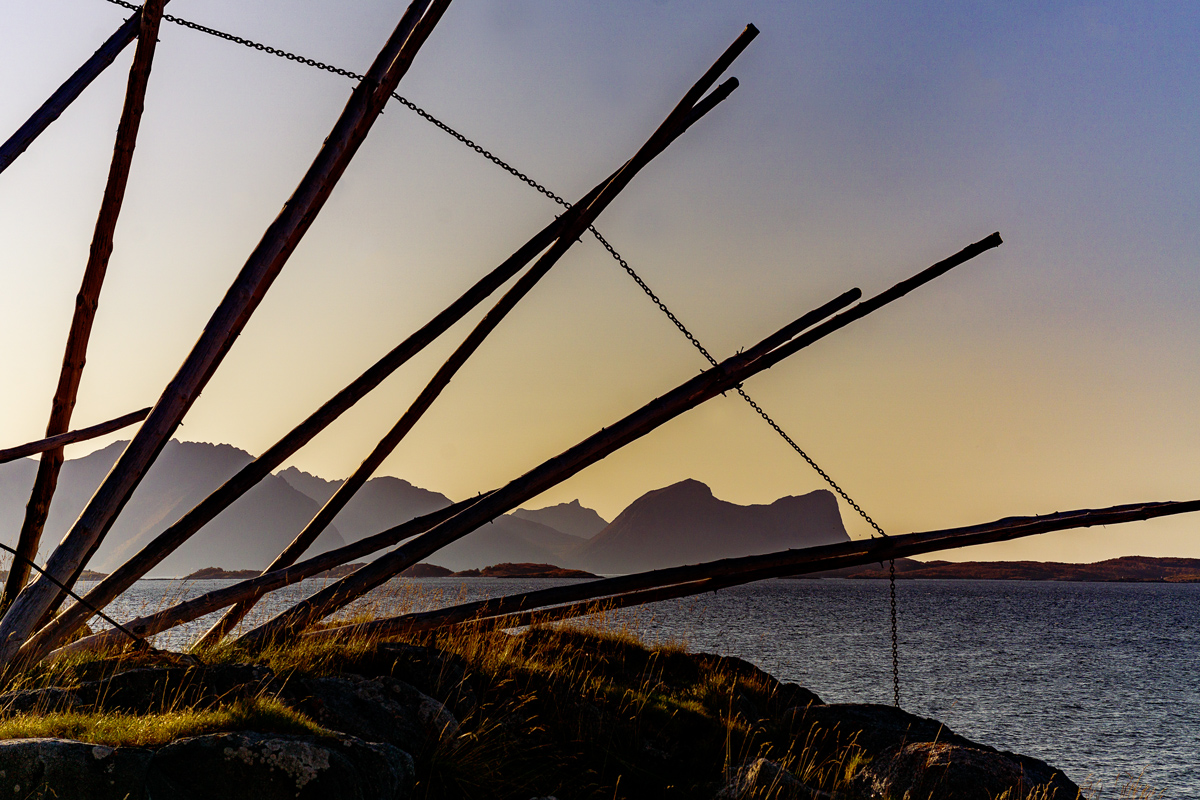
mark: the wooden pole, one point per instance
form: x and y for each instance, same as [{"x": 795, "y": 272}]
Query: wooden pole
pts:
[
  {"x": 708, "y": 384},
  {"x": 581, "y": 216},
  {"x": 71, "y": 89},
  {"x": 674, "y": 582},
  {"x": 64, "y": 439},
  {"x": 87, "y": 302},
  {"x": 227, "y": 322},
  {"x": 249, "y": 476}
]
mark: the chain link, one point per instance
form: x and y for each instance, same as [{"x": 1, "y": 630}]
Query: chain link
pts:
[
  {"x": 607, "y": 246},
  {"x": 895, "y": 639}
]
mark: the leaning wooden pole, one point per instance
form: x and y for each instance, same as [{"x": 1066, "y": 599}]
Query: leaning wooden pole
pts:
[
  {"x": 580, "y": 218},
  {"x": 589, "y": 597},
  {"x": 727, "y": 375},
  {"x": 268, "y": 258},
  {"x": 71, "y": 437},
  {"x": 70, "y": 90},
  {"x": 87, "y": 302},
  {"x": 103, "y": 593}
]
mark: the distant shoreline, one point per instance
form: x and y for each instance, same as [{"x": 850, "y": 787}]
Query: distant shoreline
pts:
[{"x": 1127, "y": 569}]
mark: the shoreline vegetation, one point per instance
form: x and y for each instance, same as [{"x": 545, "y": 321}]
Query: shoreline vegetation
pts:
[
  {"x": 474, "y": 712},
  {"x": 1126, "y": 569}
]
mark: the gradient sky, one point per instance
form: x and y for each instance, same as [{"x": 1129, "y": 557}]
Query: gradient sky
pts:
[{"x": 867, "y": 141}]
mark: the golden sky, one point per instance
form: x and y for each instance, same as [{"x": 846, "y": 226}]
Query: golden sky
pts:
[{"x": 864, "y": 143}]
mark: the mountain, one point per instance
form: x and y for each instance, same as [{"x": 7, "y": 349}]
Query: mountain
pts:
[
  {"x": 685, "y": 524},
  {"x": 570, "y": 518},
  {"x": 248, "y": 534}
]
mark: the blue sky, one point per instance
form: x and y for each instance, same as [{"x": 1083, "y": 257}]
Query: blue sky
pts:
[{"x": 866, "y": 141}]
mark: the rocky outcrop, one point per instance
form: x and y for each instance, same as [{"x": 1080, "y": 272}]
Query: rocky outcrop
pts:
[
  {"x": 558, "y": 707},
  {"x": 252, "y": 766}
]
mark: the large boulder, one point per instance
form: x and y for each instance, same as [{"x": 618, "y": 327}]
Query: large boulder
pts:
[
  {"x": 57, "y": 768},
  {"x": 941, "y": 771},
  {"x": 434, "y": 672},
  {"x": 253, "y": 766},
  {"x": 380, "y": 710},
  {"x": 146, "y": 690}
]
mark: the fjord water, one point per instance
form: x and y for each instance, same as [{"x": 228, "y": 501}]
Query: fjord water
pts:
[{"x": 1098, "y": 679}]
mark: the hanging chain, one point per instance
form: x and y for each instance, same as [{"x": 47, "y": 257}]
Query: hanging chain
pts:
[{"x": 510, "y": 169}]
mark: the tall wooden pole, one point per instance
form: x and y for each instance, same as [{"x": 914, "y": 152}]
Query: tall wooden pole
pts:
[
  {"x": 674, "y": 582},
  {"x": 231, "y": 316},
  {"x": 87, "y": 301},
  {"x": 70, "y": 90},
  {"x": 71, "y": 437},
  {"x": 581, "y": 216}
]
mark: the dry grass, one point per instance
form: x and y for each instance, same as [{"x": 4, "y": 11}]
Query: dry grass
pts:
[{"x": 117, "y": 729}]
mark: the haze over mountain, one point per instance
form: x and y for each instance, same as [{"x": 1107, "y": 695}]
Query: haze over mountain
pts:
[
  {"x": 249, "y": 533},
  {"x": 679, "y": 524},
  {"x": 570, "y": 518}
]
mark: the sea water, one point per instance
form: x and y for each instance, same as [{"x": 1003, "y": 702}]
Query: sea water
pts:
[{"x": 1098, "y": 679}]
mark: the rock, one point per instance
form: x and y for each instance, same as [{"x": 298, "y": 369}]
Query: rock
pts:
[
  {"x": 58, "y": 768},
  {"x": 43, "y": 701},
  {"x": 381, "y": 710},
  {"x": 251, "y": 766},
  {"x": 763, "y": 778},
  {"x": 941, "y": 771},
  {"x": 830, "y": 729},
  {"x": 152, "y": 689},
  {"x": 439, "y": 674}
]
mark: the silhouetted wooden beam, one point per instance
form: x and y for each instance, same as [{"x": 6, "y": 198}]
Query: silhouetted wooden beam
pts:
[
  {"x": 230, "y": 318},
  {"x": 87, "y": 301},
  {"x": 71, "y": 89},
  {"x": 71, "y": 437},
  {"x": 579, "y": 218},
  {"x": 656, "y": 585}
]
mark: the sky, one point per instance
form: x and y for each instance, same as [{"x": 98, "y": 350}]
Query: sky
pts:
[{"x": 867, "y": 140}]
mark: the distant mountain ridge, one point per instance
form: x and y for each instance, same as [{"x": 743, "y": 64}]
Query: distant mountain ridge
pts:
[
  {"x": 678, "y": 524},
  {"x": 248, "y": 534}
]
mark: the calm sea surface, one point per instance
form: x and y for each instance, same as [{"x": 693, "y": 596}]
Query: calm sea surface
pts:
[{"x": 1098, "y": 679}]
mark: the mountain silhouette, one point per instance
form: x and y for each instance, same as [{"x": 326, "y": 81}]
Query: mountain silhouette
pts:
[
  {"x": 679, "y": 524},
  {"x": 685, "y": 524},
  {"x": 248, "y": 534},
  {"x": 570, "y": 518}
]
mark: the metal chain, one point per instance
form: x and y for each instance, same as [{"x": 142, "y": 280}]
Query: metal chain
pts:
[
  {"x": 607, "y": 246},
  {"x": 895, "y": 648}
]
